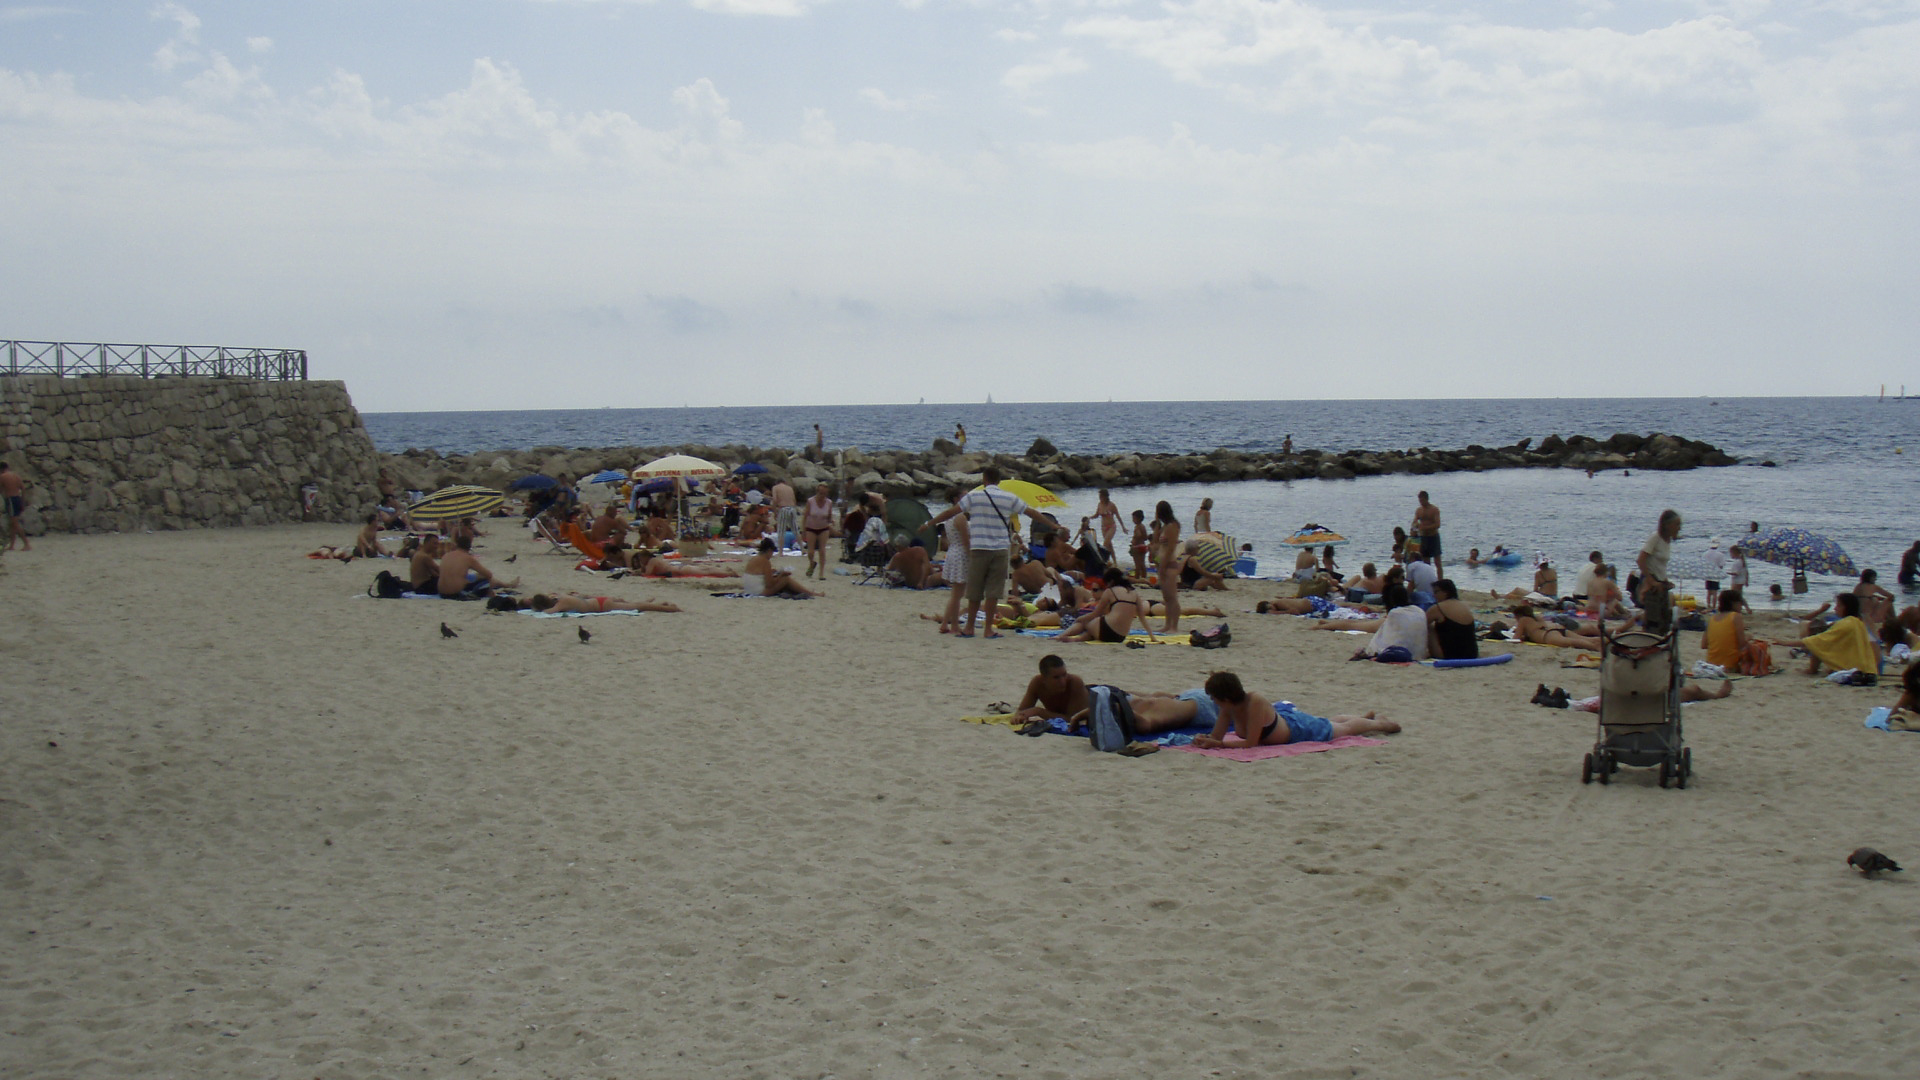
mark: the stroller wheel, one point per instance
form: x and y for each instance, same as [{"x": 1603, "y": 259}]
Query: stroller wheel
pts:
[
  {"x": 1666, "y": 773},
  {"x": 1603, "y": 768},
  {"x": 1686, "y": 767},
  {"x": 1586, "y": 770}
]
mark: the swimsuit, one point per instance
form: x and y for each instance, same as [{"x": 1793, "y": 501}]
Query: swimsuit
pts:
[
  {"x": 1301, "y": 726},
  {"x": 16, "y": 506},
  {"x": 1456, "y": 640},
  {"x": 1205, "y": 710},
  {"x": 602, "y": 602}
]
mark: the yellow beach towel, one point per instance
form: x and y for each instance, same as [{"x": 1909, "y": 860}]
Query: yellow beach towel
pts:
[{"x": 1843, "y": 645}]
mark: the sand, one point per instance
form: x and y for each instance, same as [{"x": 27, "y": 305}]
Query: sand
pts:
[{"x": 255, "y": 825}]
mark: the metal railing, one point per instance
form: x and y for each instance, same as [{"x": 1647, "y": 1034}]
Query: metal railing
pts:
[{"x": 72, "y": 359}]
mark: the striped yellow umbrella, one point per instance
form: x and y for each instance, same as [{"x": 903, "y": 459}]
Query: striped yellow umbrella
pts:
[
  {"x": 1032, "y": 494},
  {"x": 459, "y": 501},
  {"x": 1210, "y": 552}
]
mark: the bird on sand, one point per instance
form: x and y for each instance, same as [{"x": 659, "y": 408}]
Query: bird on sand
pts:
[
  {"x": 513, "y": 556},
  {"x": 1870, "y": 862},
  {"x": 447, "y": 631},
  {"x": 586, "y": 637}
]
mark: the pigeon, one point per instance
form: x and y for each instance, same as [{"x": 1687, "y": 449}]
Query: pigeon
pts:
[
  {"x": 447, "y": 631},
  {"x": 513, "y": 556},
  {"x": 1870, "y": 862},
  {"x": 584, "y": 635}
]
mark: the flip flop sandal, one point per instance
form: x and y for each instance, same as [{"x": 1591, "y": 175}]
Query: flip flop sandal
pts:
[
  {"x": 1036, "y": 728},
  {"x": 1000, "y": 708},
  {"x": 1139, "y": 749}
]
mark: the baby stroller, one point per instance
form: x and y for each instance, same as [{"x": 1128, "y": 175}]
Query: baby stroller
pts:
[{"x": 1640, "y": 709}]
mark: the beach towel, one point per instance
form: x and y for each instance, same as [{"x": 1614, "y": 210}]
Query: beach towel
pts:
[
  {"x": 1845, "y": 644},
  {"x": 1261, "y": 753},
  {"x": 1885, "y": 719}
]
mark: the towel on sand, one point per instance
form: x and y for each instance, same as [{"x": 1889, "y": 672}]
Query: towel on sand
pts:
[
  {"x": 1261, "y": 753},
  {"x": 1844, "y": 645}
]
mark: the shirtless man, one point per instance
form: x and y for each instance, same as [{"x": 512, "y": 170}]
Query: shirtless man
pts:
[
  {"x": 13, "y": 493},
  {"x": 367, "y": 544},
  {"x": 424, "y": 569},
  {"x": 916, "y": 570},
  {"x": 1055, "y": 693},
  {"x": 786, "y": 511},
  {"x": 1426, "y": 529},
  {"x": 1876, "y": 603},
  {"x": 609, "y": 526},
  {"x": 461, "y": 575}
]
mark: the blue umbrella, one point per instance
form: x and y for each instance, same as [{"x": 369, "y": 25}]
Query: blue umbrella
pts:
[
  {"x": 749, "y": 469},
  {"x": 606, "y": 476},
  {"x": 1802, "y": 550},
  {"x": 535, "y": 482}
]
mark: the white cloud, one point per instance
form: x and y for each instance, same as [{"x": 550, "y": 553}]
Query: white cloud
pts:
[
  {"x": 886, "y": 102},
  {"x": 779, "y": 8},
  {"x": 708, "y": 110},
  {"x": 1024, "y": 78},
  {"x": 259, "y": 44},
  {"x": 183, "y": 46}
]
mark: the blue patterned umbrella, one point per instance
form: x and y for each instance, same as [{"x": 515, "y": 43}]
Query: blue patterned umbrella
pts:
[
  {"x": 606, "y": 476},
  {"x": 1802, "y": 550}
]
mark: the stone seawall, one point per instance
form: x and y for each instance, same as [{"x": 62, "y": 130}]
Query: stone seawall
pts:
[
  {"x": 116, "y": 454},
  {"x": 927, "y": 473}
]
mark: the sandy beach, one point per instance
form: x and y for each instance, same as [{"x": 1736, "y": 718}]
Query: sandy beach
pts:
[{"x": 254, "y": 824}]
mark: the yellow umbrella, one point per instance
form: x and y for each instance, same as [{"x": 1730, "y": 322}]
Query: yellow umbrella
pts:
[
  {"x": 459, "y": 501},
  {"x": 1032, "y": 494}
]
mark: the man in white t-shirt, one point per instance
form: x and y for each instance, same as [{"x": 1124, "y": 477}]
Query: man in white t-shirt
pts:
[
  {"x": 1716, "y": 564},
  {"x": 990, "y": 511},
  {"x": 1656, "y": 588},
  {"x": 1420, "y": 578},
  {"x": 1583, "y": 582}
]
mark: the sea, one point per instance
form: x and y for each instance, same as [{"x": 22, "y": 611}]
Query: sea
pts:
[{"x": 1839, "y": 466}]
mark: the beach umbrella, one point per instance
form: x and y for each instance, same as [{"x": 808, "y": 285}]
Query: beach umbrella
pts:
[
  {"x": 907, "y": 521},
  {"x": 678, "y": 465},
  {"x": 664, "y": 484},
  {"x": 1804, "y": 551},
  {"x": 534, "y": 482},
  {"x": 1210, "y": 552},
  {"x": 749, "y": 469},
  {"x": 459, "y": 501},
  {"x": 1032, "y": 494},
  {"x": 606, "y": 476},
  {"x": 1314, "y": 536}
]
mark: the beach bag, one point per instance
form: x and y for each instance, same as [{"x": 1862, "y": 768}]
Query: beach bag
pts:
[
  {"x": 1757, "y": 659},
  {"x": 1394, "y": 654},
  {"x": 386, "y": 587},
  {"x": 1109, "y": 718},
  {"x": 1213, "y": 637}
]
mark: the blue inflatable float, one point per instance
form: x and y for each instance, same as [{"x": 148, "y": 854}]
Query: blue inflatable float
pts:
[
  {"x": 1510, "y": 558},
  {"x": 1483, "y": 661}
]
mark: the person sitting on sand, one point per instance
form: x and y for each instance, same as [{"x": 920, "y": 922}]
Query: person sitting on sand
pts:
[
  {"x": 1421, "y": 574},
  {"x": 367, "y": 544},
  {"x": 1902, "y": 629},
  {"x": 1909, "y": 701},
  {"x": 461, "y": 575},
  {"x": 1327, "y": 565},
  {"x": 1365, "y": 583},
  {"x": 1114, "y": 613},
  {"x": 1450, "y": 625},
  {"x": 1546, "y": 581},
  {"x": 1532, "y": 630},
  {"x": 1055, "y": 693},
  {"x": 1604, "y": 597},
  {"x": 1194, "y": 576},
  {"x": 1726, "y": 642},
  {"x": 609, "y": 527},
  {"x": 1032, "y": 575},
  {"x": 1583, "y": 582},
  {"x": 1846, "y": 644},
  {"x": 916, "y": 570},
  {"x": 424, "y": 566},
  {"x": 1404, "y": 625},
  {"x": 568, "y": 603},
  {"x": 755, "y": 523},
  {"x": 1059, "y": 553},
  {"x": 1248, "y": 719},
  {"x": 1305, "y": 566},
  {"x": 1876, "y": 603},
  {"x": 760, "y": 577}
]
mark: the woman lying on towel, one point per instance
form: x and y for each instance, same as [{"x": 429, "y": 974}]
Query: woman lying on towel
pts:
[
  {"x": 574, "y": 603},
  {"x": 1532, "y": 630},
  {"x": 1845, "y": 644},
  {"x": 1247, "y": 719}
]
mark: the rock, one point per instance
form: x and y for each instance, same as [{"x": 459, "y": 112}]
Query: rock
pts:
[
  {"x": 1041, "y": 448},
  {"x": 946, "y": 447}
]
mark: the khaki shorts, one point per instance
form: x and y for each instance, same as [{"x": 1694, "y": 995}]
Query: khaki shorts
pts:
[{"x": 986, "y": 575}]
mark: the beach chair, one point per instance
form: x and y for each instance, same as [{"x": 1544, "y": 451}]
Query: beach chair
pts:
[
  {"x": 545, "y": 531},
  {"x": 583, "y": 545},
  {"x": 1640, "y": 725},
  {"x": 872, "y": 552}
]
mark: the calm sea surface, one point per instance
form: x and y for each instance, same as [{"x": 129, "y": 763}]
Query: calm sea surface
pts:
[{"x": 1844, "y": 464}]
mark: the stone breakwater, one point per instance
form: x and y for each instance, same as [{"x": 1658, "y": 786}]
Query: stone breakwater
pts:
[
  {"x": 123, "y": 453},
  {"x": 927, "y": 473}
]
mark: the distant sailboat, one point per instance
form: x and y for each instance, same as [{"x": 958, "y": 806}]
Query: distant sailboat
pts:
[
  {"x": 989, "y": 399},
  {"x": 923, "y": 401}
]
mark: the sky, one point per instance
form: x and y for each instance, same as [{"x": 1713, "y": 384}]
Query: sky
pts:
[{"x": 498, "y": 204}]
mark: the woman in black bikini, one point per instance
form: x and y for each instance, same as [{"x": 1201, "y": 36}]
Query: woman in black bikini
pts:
[{"x": 1114, "y": 613}]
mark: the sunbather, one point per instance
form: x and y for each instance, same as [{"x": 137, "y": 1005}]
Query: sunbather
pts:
[
  {"x": 1114, "y": 613},
  {"x": 1248, "y": 719},
  {"x": 424, "y": 567},
  {"x": 1531, "y": 629},
  {"x": 760, "y": 577},
  {"x": 563, "y": 603},
  {"x": 461, "y": 575},
  {"x": 915, "y": 569},
  {"x": 1054, "y": 693},
  {"x": 367, "y": 544}
]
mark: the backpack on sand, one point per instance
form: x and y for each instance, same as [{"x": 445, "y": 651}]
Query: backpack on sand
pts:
[
  {"x": 1109, "y": 718},
  {"x": 1213, "y": 637},
  {"x": 386, "y": 587}
]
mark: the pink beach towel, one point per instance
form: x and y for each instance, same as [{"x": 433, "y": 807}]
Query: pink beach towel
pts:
[{"x": 1261, "y": 753}]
